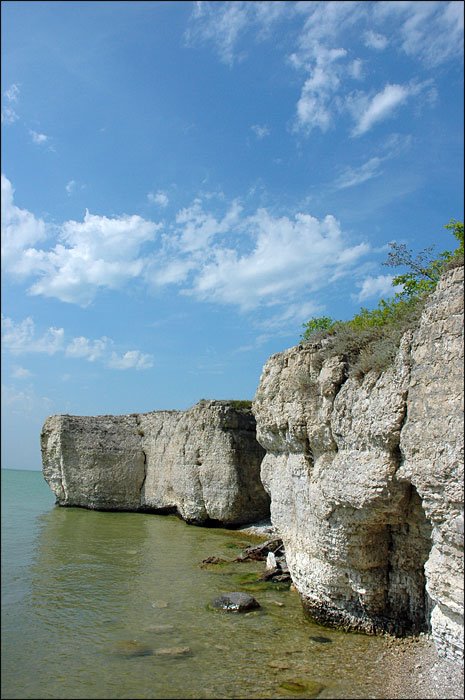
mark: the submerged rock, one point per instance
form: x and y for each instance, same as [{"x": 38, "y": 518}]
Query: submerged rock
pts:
[
  {"x": 311, "y": 688},
  {"x": 130, "y": 648},
  {"x": 235, "y": 602},
  {"x": 173, "y": 651}
]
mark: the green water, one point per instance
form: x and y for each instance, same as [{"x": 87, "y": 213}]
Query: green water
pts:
[{"x": 91, "y": 602}]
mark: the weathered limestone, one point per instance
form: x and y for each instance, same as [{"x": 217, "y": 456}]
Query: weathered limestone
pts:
[
  {"x": 366, "y": 478},
  {"x": 203, "y": 463}
]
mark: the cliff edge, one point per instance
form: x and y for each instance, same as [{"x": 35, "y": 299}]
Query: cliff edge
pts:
[{"x": 365, "y": 476}]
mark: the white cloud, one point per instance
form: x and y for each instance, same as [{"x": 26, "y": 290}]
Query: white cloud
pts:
[
  {"x": 248, "y": 260},
  {"x": 20, "y": 338},
  {"x": 289, "y": 257},
  {"x": 9, "y": 115},
  {"x": 198, "y": 227},
  {"x": 313, "y": 107},
  {"x": 224, "y": 23},
  {"x": 20, "y": 372},
  {"x": 133, "y": 359},
  {"x": 37, "y": 137},
  {"x": 12, "y": 93},
  {"x": 260, "y": 130},
  {"x": 355, "y": 176},
  {"x": 160, "y": 198},
  {"x": 380, "y": 286},
  {"x": 429, "y": 31},
  {"x": 99, "y": 252},
  {"x": 91, "y": 350},
  {"x": 381, "y": 106},
  {"x": 25, "y": 401},
  {"x": 70, "y": 187},
  {"x": 375, "y": 41},
  {"x": 20, "y": 230}
]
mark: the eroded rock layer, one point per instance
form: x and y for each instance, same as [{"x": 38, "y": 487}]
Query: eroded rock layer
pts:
[
  {"x": 366, "y": 478},
  {"x": 203, "y": 463}
]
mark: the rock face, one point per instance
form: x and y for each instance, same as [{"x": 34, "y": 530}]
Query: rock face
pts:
[
  {"x": 203, "y": 463},
  {"x": 366, "y": 478}
]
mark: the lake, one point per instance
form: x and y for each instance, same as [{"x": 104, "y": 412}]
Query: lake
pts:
[{"x": 116, "y": 605}]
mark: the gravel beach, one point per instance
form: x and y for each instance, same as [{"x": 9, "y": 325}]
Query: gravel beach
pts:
[{"x": 414, "y": 670}]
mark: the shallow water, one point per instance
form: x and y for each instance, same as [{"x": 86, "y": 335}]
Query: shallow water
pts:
[{"x": 115, "y": 605}]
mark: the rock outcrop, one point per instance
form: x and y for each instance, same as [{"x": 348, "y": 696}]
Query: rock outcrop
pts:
[
  {"x": 366, "y": 478},
  {"x": 203, "y": 463}
]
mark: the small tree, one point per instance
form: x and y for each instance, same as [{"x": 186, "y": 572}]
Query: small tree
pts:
[
  {"x": 316, "y": 325},
  {"x": 425, "y": 269}
]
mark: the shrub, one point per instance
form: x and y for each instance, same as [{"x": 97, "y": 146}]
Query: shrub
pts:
[{"x": 370, "y": 340}]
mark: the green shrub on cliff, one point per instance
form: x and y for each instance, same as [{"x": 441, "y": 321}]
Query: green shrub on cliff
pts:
[{"x": 371, "y": 338}]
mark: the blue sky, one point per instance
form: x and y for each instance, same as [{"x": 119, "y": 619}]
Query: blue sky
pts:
[{"x": 184, "y": 184}]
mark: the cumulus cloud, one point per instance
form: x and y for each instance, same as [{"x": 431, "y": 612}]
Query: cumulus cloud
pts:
[
  {"x": 288, "y": 257},
  {"x": 95, "y": 253},
  {"x": 91, "y": 350},
  {"x": 21, "y": 338},
  {"x": 133, "y": 359},
  {"x": 20, "y": 230},
  {"x": 213, "y": 251}
]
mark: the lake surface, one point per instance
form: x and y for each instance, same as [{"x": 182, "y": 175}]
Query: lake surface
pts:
[{"x": 116, "y": 605}]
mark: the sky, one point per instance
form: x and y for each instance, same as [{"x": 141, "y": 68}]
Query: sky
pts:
[{"x": 185, "y": 184}]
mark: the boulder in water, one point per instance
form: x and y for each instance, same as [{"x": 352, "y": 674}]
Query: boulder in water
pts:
[{"x": 236, "y": 602}]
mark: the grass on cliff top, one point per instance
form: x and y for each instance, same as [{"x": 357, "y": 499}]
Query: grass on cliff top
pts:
[{"x": 370, "y": 340}]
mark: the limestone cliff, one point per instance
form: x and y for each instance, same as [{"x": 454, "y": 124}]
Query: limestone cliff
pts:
[
  {"x": 366, "y": 478},
  {"x": 203, "y": 463}
]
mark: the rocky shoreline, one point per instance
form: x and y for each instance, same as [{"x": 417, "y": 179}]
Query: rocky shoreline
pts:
[
  {"x": 414, "y": 670},
  {"x": 412, "y": 666}
]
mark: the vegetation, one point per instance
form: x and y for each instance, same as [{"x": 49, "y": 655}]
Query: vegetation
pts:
[{"x": 371, "y": 338}]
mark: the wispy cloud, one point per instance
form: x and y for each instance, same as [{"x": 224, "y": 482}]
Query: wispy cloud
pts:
[
  {"x": 431, "y": 32},
  {"x": 38, "y": 138},
  {"x": 380, "y": 107},
  {"x": 10, "y": 98},
  {"x": 376, "y": 287},
  {"x": 21, "y": 338},
  {"x": 19, "y": 372},
  {"x": 160, "y": 198},
  {"x": 224, "y": 23},
  {"x": 261, "y": 130},
  {"x": 355, "y": 176},
  {"x": 375, "y": 41}
]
